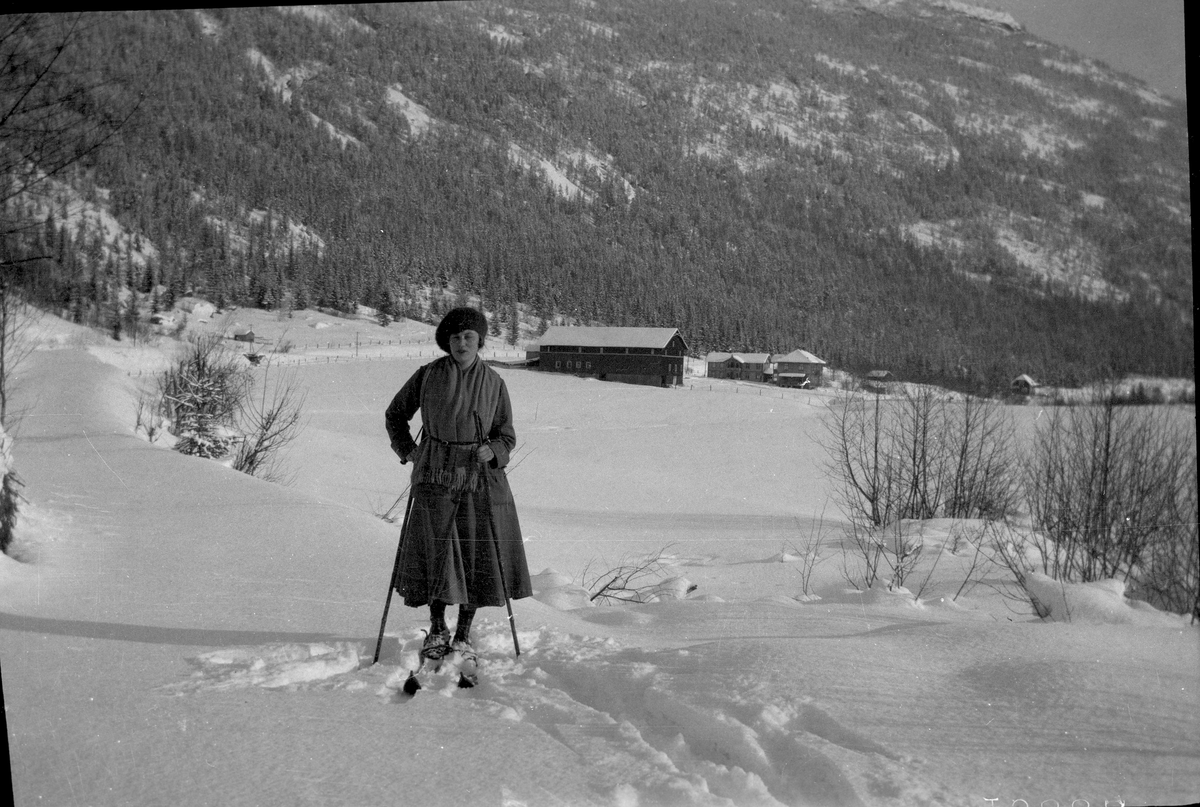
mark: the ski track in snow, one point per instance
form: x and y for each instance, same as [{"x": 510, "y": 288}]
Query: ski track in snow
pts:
[{"x": 647, "y": 736}]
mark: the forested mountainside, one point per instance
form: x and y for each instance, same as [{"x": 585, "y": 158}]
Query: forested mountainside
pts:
[{"x": 919, "y": 186}]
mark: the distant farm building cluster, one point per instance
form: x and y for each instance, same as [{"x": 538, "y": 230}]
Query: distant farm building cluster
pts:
[
  {"x": 796, "y": 369},
  {"x": 656, "y": 356}
]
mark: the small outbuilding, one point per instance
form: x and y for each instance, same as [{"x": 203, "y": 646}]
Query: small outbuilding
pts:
[
  {"x": 243, "y": 335},
  {"x": 798, "y": 369},
  {"x": 653, "y": 356},
  {"x": 878, "y": 381},
  {"x": 1023, "y": 385}
]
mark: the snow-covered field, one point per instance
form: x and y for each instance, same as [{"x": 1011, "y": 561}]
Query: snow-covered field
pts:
[{"x": 181, "y": 634}]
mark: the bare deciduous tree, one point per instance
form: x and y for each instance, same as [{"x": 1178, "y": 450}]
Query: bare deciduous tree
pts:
[
  {"x": 857, "y": 452},
  {"x": 919, "y": 440}
]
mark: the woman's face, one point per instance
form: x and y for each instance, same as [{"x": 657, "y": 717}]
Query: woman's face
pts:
[{"x": 464, "y": 346}]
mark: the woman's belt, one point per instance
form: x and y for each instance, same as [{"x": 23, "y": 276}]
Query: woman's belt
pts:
[{"x": 452, "y": 442}]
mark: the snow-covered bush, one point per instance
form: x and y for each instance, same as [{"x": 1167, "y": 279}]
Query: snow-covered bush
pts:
[
  {"x": 9, "y": 497},
  {"x": 201, "y": 396},
  {"x": 1101, "y": 602}
]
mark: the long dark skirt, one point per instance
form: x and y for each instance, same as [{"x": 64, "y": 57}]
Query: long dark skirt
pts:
[{"x": 449, "y": 553}]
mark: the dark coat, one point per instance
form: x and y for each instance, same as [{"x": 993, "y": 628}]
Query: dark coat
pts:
[{"x": 461, "y": 510}]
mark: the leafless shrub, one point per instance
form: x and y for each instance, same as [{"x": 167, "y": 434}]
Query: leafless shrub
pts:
[
  {"x": 147, "y": 415},
  {"x": 881, "y": 555},
  {"x": 929, "y": 574},
  {"x": 868, "y": 547},
  {"x": 902, "y": 556},
  {"x": 982, "y": 479},
  {"x": 895, "y": 558},
  {"x": 918, "y": 438},
  {"x": 808, "y": 548},
  {"x": 982, "y": 560},
  {"x": 917, "y": 456},
  {"x": 1012, "y": 550},
  {"x": 1111, "y": 491},
  {"x": 1169, "y": 575},
  {"x": 270, "y": 421}
]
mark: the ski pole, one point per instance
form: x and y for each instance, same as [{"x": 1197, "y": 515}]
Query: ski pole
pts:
[
  {"x": 487, "y": 506},
  {"x": 395, "y": 574}
]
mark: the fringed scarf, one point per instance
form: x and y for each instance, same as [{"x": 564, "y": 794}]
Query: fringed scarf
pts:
[{"x": 451, "y": 397}]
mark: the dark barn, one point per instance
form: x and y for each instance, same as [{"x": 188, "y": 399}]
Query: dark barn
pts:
[{"x": 652, "y": 356}]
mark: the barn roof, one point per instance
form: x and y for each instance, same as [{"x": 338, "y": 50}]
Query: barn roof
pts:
[
  {"x": 800, "y": 357},
  {"x": 597, "y": 336}
]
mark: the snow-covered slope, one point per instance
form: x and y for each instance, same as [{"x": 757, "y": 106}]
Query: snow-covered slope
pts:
[{"x": 182, "y": 634}]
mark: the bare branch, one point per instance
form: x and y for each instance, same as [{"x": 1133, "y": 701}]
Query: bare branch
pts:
[{"x": 632, "y": 580}]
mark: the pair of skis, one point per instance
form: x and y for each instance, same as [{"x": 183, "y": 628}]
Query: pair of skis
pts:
[{"x": 466, "y": 662}]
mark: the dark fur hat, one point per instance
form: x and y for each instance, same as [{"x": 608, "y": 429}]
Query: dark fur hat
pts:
[{"x": 459, "y": 320}]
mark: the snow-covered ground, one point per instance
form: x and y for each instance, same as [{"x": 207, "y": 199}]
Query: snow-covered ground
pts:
[{"x": 181, "y": 634}]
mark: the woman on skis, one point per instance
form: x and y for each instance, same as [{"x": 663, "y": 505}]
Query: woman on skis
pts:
[{"x": 462, "y": 510}]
